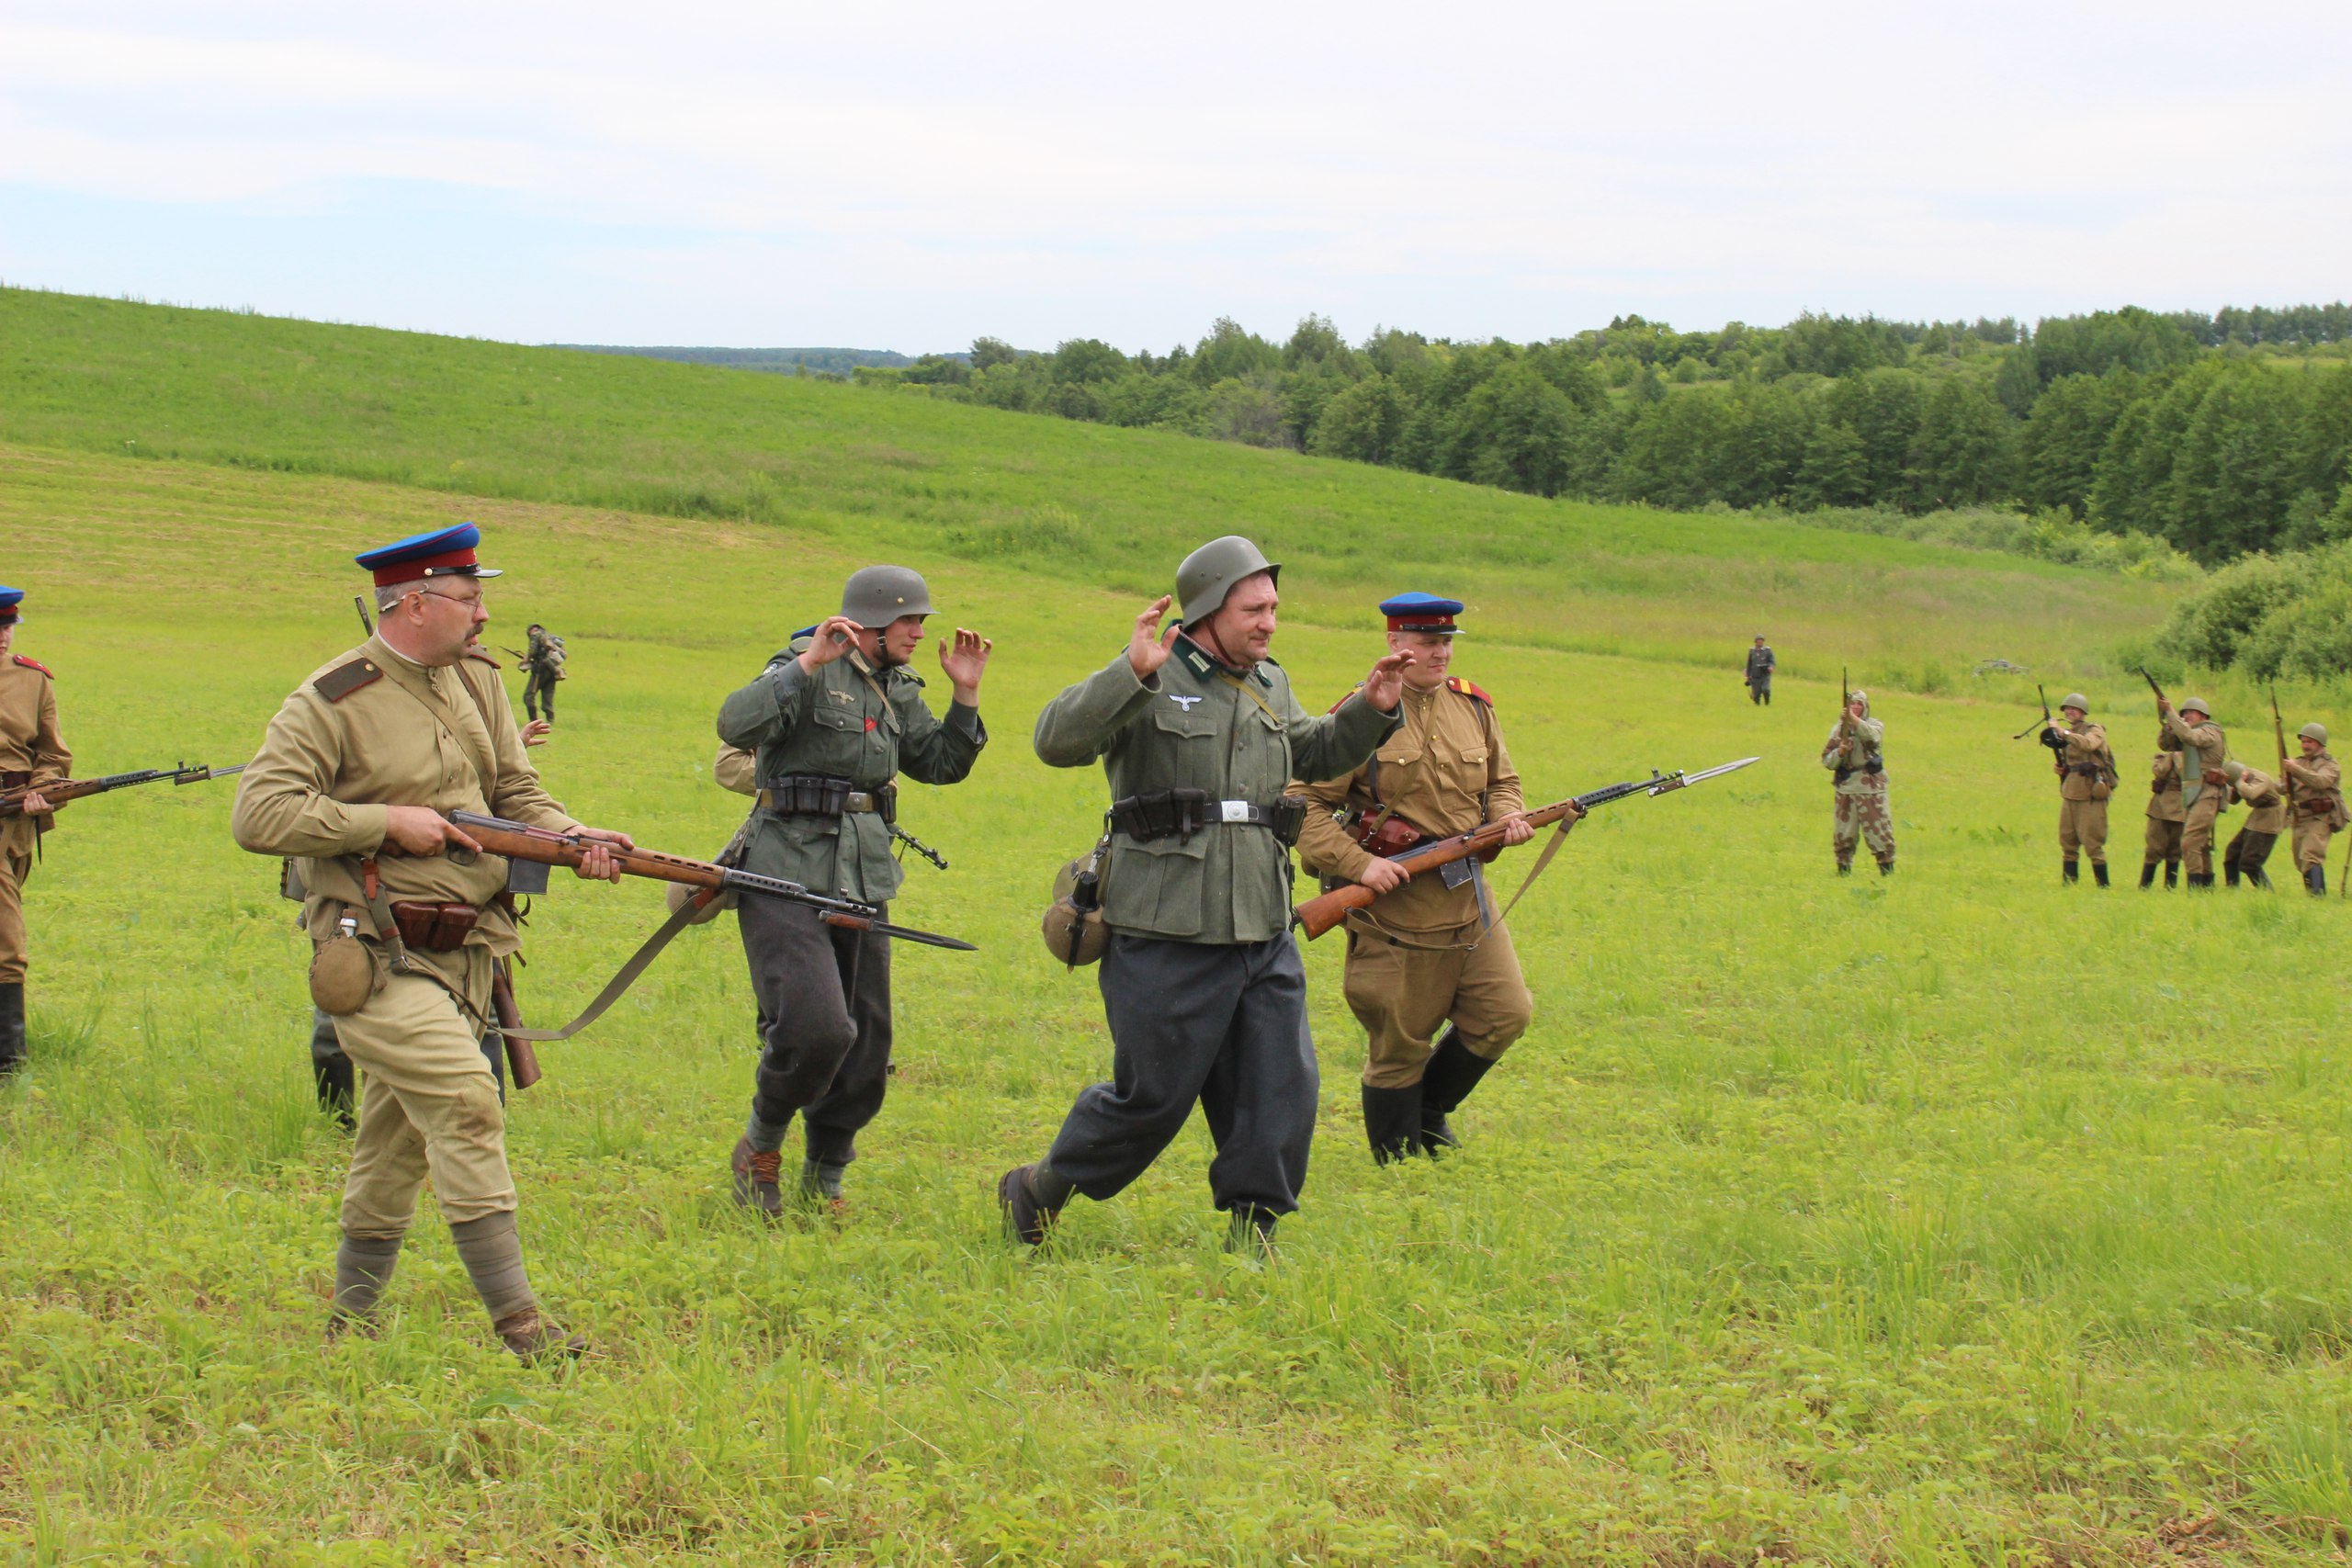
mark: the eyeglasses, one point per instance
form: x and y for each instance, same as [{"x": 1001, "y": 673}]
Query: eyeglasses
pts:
[{"x": 467, "y": 600}]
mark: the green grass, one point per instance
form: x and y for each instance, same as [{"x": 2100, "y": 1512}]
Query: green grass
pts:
[{"x": 1954, "y": 1219}]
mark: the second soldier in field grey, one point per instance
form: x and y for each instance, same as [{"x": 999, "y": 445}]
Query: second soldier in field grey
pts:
[{"x": 834, "y": 726}]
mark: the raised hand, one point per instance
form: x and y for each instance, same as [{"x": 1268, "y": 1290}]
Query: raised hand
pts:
[
  {"x": 1147, "y": 649},
  {"x": 836, "y": 638},
  {"x": 1385, "y": 687},
  {"x": 966, "y": 663},
  {"x": 535, "y": 732}
]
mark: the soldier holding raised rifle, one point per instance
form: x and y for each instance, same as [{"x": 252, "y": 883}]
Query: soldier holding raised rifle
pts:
[
  {"x": 1855, "y": 755},
  {"x": 2203, "y": 786},
  {"x": 2319, "y": 804},
  {"x": 1198, "y": 733},
  {"x": 410, "y": 924},
  {"x": 33, "y": 753},
  {"x": 1425, "y": 958}
]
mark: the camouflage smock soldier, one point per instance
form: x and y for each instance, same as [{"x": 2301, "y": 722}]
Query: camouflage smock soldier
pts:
[
  {"x": 1198, "y": 733},
  {"x": 2086, "y": 777},
  {"x": 33, "y": 753},
  {"x": 1855, "y": 758},
  {"x": 2166, "y": 817},
  {"x": 2319, "y": 804},
  {"x": 2249, "y": 847},
  {"x": 542, "y": 668},
  {"x": 352, "y": 782},
  {"x": 833, "y": 725},
  {"x": 1422, "y": 958},
  {"x": 2204, "y": 788},
  {"x": 1759, "y": 677}
]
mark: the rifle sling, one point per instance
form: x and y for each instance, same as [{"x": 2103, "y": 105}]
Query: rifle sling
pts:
[{"x": 1551, "y": 847}]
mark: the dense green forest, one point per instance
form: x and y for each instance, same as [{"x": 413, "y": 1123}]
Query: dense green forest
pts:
[
  {"x": 2218, "y": 434},
  {"x": 835, "y": 362}
]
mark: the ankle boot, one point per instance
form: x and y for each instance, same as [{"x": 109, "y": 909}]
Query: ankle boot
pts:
[
  {"x": 2147, "y": 876},
  {"x": 1392, "y": 1122},
  {"x": 2070, "y": 870},
  {"x": 2098, "y": 872},
  {"x": 12, "y": 1027},
  {"x": 1453, "y": 1071}
]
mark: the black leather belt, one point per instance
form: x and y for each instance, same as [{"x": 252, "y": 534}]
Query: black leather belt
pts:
[
  {"x": 1870, "y": 765},
  {"x": 815, "y": 794},
  {"x": 1181, "y": 813}
]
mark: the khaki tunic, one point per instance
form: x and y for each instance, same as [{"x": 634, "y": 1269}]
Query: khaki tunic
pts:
[
  {"x": 2201, "y": 747},
  {"x": 2261, "y": 792},
  {"x": 318, "y": 792},
  {"x": 2083, "y": 785},
  {"x": 2319, "y": 805},
  {"x": 1411, "y": 966},
  {"x": 31, "y": 743},
  {"x": 2166, "y": 814}
]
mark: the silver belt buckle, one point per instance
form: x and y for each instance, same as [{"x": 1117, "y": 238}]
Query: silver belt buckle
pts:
[
  {"x": 859, "y": 800},
  {"x": 1234, "y": 810}
]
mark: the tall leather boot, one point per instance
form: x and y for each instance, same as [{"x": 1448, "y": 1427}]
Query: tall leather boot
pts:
[
  {"x": 2315, "y": 881},
  {"x": 2070, "y": 870},
  {"x": 2147, "y": 876},
  {"x": 2200, "y": 880},
  {"x": 338, "y": 1089},
  {"x": 1392, "y": 1122},
  {"x": 2172, "y": 875},
  {"x": 2099, "y": 871},
  {"x": 2229, "y": 874},
  {"x": 12, "y": 1027},
  {"x": 2260, "y": 878},
  {"x": 1453, "y": 1071}
]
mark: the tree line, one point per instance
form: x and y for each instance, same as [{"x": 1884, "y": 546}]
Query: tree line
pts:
[{"x": 2219, "y": 435}]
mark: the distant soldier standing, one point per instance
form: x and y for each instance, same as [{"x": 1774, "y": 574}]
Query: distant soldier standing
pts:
[
  {"x": 1423, "y": 958},
  {"x": 1856, "y": 759},
  {"x": 834, "y": 726},
  {"x": 1198, "y": 733},
  {"x": 2203, "y": 786},
  {"x": 361, "y": 766},
  {"x": 1759, "y": 673},
  {"x": 2166, "y": 817},
  {"x": 33, "y": 753},
  {"x": 2249, "y": 847},
  {"x": 2086, "y": 777},
  {"x": 2319, "y": 804},
  {"x": 542, "y": 668}
]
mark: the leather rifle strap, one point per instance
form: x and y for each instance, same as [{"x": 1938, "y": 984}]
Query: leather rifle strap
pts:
[
  {"x": 1551, "y": 847},
  {"x": 638, "y": 962}
]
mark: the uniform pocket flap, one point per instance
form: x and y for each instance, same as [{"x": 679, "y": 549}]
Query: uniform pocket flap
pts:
[
  {"x": 1174, "y": 720},
  {"x": 831, "y": 718}
]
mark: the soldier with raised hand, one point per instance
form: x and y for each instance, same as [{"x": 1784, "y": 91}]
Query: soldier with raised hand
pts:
[
  {"x": 834, "y": 726},
  {"x": 1198, "y": 732},
  {"x": 2204, "y": 788},
  {"x": 2319, "y": 804},
  {"x": 1760, "y": 665},
  {"x": 360, "y": 768},
  {"x": 2166, "y": 817},
  {"x": 2249, "y": 847},
  {"x": 33, "y": 753},
  {"x": 1855, "y": 758},
  {"x": 2086, "y": 777},
  {"x": 1424, "y": 958}
]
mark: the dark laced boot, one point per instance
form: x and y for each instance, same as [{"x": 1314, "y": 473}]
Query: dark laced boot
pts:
[
  {"x": 1031, "y": 1197},
  {"x": 756, "y": 1178}
]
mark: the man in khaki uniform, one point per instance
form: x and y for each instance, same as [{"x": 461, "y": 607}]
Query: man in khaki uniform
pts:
[
  {"x": 2319, "y": 804},
  {"x": 2165, "y": 818},
  {"x": 2250, "y": 845},
  {"x": 2086, "y": 777},
  {"x": 2203, "y": 786},
  {"x": 1423, "y": 958},
  {"x": 33, "y": 753},
  {"x": 1855, "y": 758},
  {"x": 352, "y": 780}
]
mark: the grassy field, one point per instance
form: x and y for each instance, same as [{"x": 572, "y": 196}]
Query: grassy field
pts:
[{"x": 1959, "y": 1218}]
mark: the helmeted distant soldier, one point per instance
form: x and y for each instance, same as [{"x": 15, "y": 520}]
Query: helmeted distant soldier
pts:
[
  {"x": 833, "y": 725},
  {"x": 2249, "y": 847},
  {"x": 2166, "y": 817},
  {"x": 1759, "y": 677},
  {"x": 1424, "y": 957},
  {"x": 2086, "y": 777},
  {"x": 2204, "y": 788},
  {"x": 1855, "y": 758},
  {"x": 1198, "y": 733},
  {"x": 361, "y": 766},
  {"x": 542, "y": 668},
  {"x": 2319, "y": 804},
  {"x": 33, "y": 753}
]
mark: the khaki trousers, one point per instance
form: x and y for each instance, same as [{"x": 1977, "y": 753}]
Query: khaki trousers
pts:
[
  {"x": 14, "y": 869},
  {"x": 1403, "y": 996},
  {"x": 2082, "y": 824},
  {"x": 2197, "y": 834},
  {"x": 2164, "y": 840},
  {"x": 2311, "y": 834},
  {"x": 429, "y": 1107}
]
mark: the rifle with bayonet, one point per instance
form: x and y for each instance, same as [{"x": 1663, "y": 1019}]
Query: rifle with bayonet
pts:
[
  {"x": 1320, "y": 914},
  {"x": 2051, "y": 736},
  {"x": 11, "y": 802},
  {"x": 2286, "y": 780}
]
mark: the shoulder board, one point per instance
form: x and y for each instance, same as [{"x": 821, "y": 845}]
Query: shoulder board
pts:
[
  {"x": 1343, "y": 700},
  {"x": 344, "y": 679},
  {"x": 486, "y": 658},
  {"x": 1463, "y": 688},
  {"x": 34, "y": 664}
]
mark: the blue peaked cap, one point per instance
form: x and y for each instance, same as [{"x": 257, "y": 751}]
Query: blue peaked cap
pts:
[
  {"x": 9, "y": 599},
  {"x": 1420, "y": 612},
  {"x": 443, "y": 552}
]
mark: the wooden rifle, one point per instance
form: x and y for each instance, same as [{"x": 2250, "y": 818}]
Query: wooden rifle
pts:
[
  {"x": 2286, "y": 780},
  {"x": 11, "y": 802}
]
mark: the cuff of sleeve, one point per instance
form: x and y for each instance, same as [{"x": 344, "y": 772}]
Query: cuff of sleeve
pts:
[
  {"x": 365, "y": 828},
  {"x": 1140, "y": 683},
  {"x": 786, "y": 681},
  {"x": 965, "y": 718}
]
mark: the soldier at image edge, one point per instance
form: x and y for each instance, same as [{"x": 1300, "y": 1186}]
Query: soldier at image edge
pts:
[
  {"x": 1424, "y": 957},
  {"x": 2319, "y": 804},
  {"x": 2203, "y": 786},
  {"x": 1759, "y": 675},
  {"x": 1203, "y": 987},
  {"x": 2166, "y": 817},
  {"x": 834, "y": 726},
  {"x": 359, "y": 766},
  {"x": 33, "y": 753},
  {"x": 1855, "y": 758},
  {"x": 2087, "y": 778}
]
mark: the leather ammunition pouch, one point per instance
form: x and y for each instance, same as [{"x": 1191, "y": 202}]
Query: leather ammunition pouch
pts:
[
  {"x": 2164, "y": 786},
  {"x": 15, "y": 778},
  {"x": 1383, "y": 833},
  {"x": 1181, "y": 813},
  {"x": 815, "y": 794},
  {"x": 1867, "y": 765},
  {"x": 435, "y": 928}
]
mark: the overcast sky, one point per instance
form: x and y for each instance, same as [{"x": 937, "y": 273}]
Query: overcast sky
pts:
[{"x": 909, "y": 175}]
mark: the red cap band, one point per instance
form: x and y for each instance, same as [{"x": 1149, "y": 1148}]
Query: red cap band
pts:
[
  {"x": 1421, "y": 623},
  {"x": 423, "y": 566}
]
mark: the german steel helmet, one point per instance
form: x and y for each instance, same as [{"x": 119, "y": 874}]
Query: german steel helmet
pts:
[
  {"x": 2075, "y": 700},
  {"x": 2314, "y": 732},
  {"x": 2197, "y": 705},
  {"x": 877, "y": 596},
  {"x": 1209, "y": 573},
  {"x": 1072, "y": 937}
]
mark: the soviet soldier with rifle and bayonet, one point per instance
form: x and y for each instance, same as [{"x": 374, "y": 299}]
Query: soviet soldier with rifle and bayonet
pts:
[
  {"x": 2204, "y": 788},
  {"x": 834, "y": 726},
  {"x": 1433, "y": 980},
  {"x": 33, "y": 758},
  {"x": 2087, "y": 778},
  {"x": 2319, "y": 811}
]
